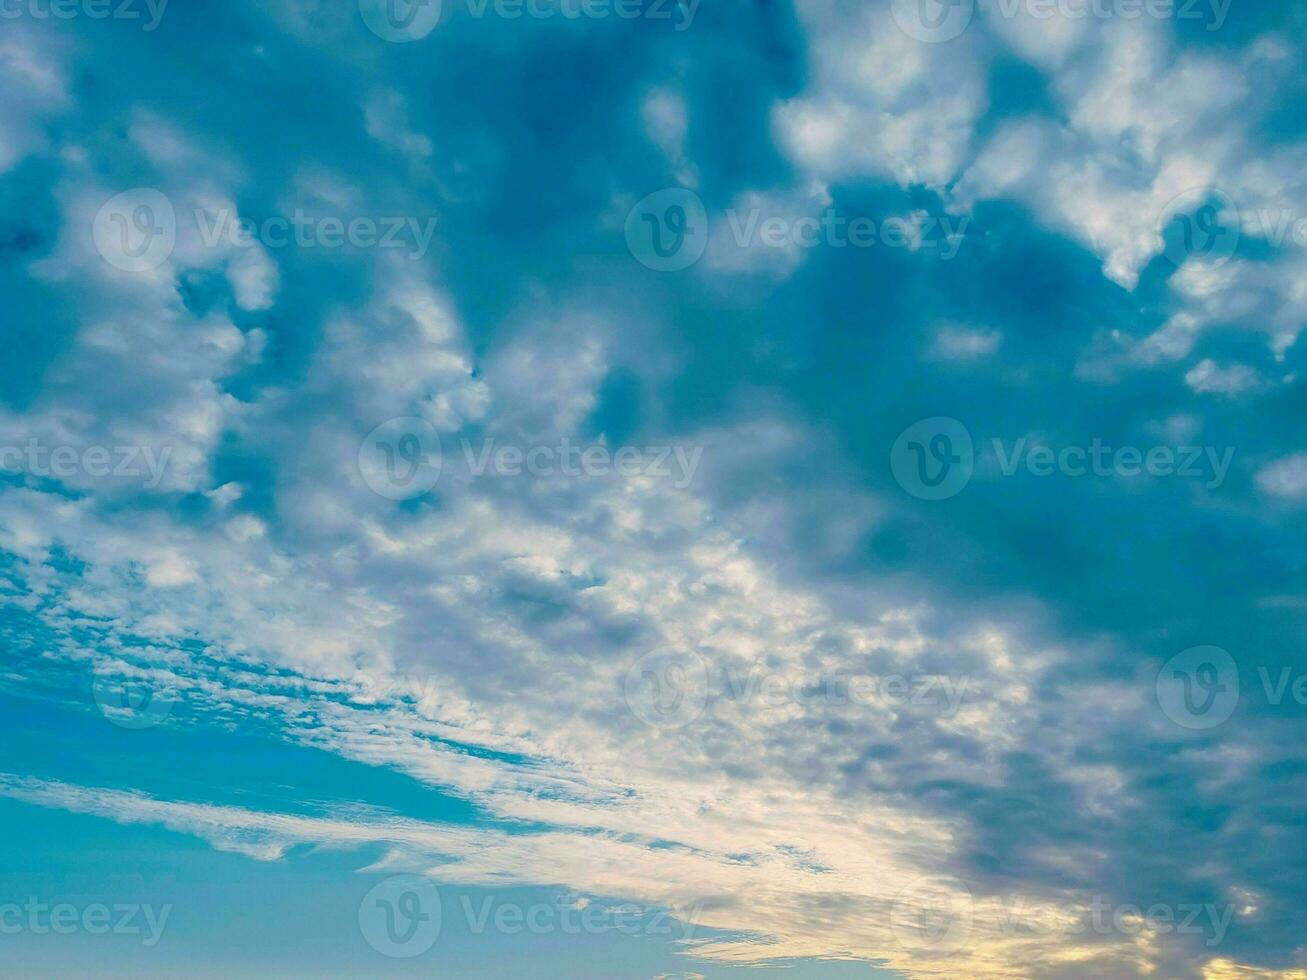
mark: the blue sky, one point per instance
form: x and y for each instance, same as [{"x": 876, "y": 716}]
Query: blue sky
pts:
[{"x": 647, "y": 489}]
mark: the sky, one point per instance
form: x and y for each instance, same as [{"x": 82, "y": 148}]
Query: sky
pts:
[{"x": 650, "y": 489}]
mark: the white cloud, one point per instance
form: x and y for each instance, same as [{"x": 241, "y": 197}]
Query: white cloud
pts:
[
  {"x": 956, "y": 343},
  {"x": 1144, "y": 129},
  {"x": 880, "y": 103},
  {"x": 1285, "y": 477},
  {"x": 1207, "y": 377},
  {"x": 385, "y": 116},
  {"x": 666, "y": 122},
  {"x": 32, "y": 75}
]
